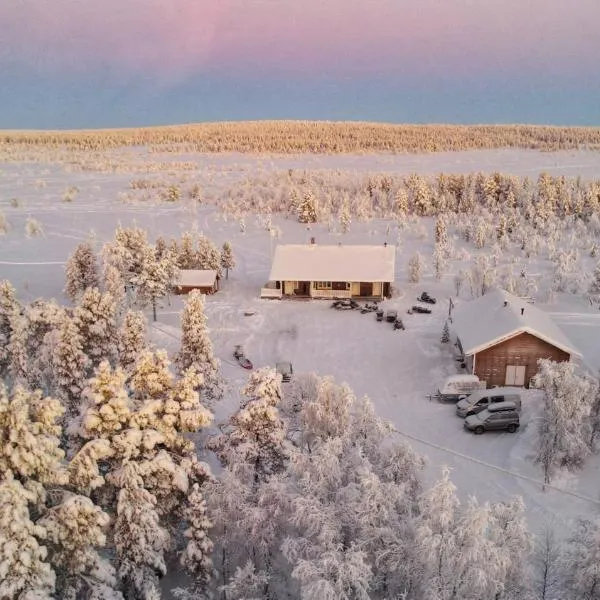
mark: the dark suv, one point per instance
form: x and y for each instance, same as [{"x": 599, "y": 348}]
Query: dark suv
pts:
[{"x": 502, "y": 415}]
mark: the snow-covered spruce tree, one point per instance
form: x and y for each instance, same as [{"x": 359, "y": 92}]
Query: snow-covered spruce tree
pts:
[
  {"x": 186, "y": 253},
  {"x": 69, "y": 368},
  {"x": 307, "y": 208},
  {"x": 227, "y": 258},
  {"x": 253, "y": 444},
  {"x": 155, "y": 279},
  {"x": 140, "y": 541},
  {"x": 24, "y": 572},
  {"x": 440, "y": 261},
  {"x": 196, "y": 346},
  {"x": 345, "y": 217},
  {"x": 581, "y": 562},
  {"x": 132, "y": 338},
  {"x": 565, "y": 428},
  {"x": 114, "y": 284},
  {"x": 96, "y": 321},
  {"x": 416, "y": 265},
  {"x": 127, "y": 251},
  {"x": 441, "y": 231},
  {"x": 445, "y": 334},
  {"x": 593, "y": 293},
  {"x": 208, "y": 254},
  {"x": 196, "y": 557},
  {"x": 74, "y": 529},
  {"x": 10, "y": 308},
  {"x": 245, "y": 584},
  {"x": 81, "y": 271}
]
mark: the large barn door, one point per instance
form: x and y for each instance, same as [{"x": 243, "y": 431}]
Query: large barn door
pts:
[{"x": 515, "y": 375}]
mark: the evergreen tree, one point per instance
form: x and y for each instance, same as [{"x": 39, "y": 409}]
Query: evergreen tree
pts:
[
  {"x": 307, "y": 208},
  {"x": 155, "y": 279},
  {"x": 593, "y": 293},
  {"x": 441, "y": 231},
  {"x": 196, "y": 346},
  {"x": 69, "y": 366},
  {"x": 81, "y": 271},
  {"x": 345, "y": 217},
  {"x": 209, "y": 257},
  {"x": 10, "y": 308},
  {"x": 96, "y": 321},
  {"x": 227, "y": 258},
  {"x": 445, "y": 334},
  {"x": 132, "y": 338},
  {"x": 415, "y": 268}
]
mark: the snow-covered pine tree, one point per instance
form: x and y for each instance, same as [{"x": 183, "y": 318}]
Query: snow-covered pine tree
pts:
[
  {"x": 307, "y": 208},
  {"x": 345, "y": 216},
  {"x": 445, "y": 333},
  {"x": 114, "y": 284},
  {"x": 440, "y": 260},
  {"x": 209, "y": 256},
  {"x": 81, "y": 271},
  {"x": 25, "y": 572},
  {"x": 593, "y": 293},
  {"x": 17, "y": 352},
  {"x": 441, "y": 231},
  {"x": 565, "y": 428},
  {"x": 187, "y": 255},
  {"x": 10, "y": 308},
  {"x": 155, "y": 280},
  {"x": 140, "y": 540},
  {"x": 253, "y": 445},
  {"x": 132, "y": 338},
  {"x": 73, "y": 530},
  {"x": 416, "y": 265},
  {"x": 227, "y": 258},
  {"x": 196, "y": 557},
  {"x": 69, "y": 368},
  {"x": 96, "y": 321},
  {"x": 196, "y": 346}
]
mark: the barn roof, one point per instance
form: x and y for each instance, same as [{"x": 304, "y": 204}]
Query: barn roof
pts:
[
  {"x": 314, "y": 262},
  {"x": 195, "y": 278},
  {"x": 486, "y": 321}
]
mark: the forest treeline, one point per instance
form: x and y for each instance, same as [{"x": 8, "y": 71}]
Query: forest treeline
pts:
[{"x": 320, "y": 137}]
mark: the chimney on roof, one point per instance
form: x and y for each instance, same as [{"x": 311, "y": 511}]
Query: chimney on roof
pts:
[
  {"x": 312, "y": 240},
  {"x": 522, "y": 310},
  {"x": 385, "y": 244},
  {"x": 506, "y": 303}
]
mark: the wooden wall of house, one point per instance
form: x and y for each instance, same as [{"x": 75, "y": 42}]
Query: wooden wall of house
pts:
[
  {"x": 521, "y": 350},
  {"x": 289, "y": 287},
  {"x": 186, "y": 289}
]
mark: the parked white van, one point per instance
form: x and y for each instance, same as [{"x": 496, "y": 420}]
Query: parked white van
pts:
[{"x": 480, "y": 400}]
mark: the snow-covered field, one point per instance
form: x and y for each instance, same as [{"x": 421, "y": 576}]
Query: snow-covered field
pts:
[{"x": 396, "y": 369}]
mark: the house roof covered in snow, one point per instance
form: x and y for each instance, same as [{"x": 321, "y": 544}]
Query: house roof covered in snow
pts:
[
  {"x": 195, "y": 278},
  {"x": 314, "y": 262},
  {"x": 487, "y": 321}
]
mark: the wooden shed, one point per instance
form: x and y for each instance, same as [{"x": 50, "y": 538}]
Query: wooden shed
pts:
[
  {"x": 207, "y": 281},
  {"x": 502, "y": 337},
  {"x": 331, "y": 271}
]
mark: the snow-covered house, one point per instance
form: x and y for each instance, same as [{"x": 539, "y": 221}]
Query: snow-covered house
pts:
[
  {"x": 502, "y": 337},
  {"x": 331, "y": 271},
  {"x": 207, "y": 281}
]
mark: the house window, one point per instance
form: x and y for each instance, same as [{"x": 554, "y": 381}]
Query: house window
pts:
[
  {"x": 340, "y": 285},
  {"x": 322, "y": 285}
]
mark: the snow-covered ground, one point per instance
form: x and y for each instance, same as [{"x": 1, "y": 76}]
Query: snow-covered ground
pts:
[{"x": 396, "y": 369}]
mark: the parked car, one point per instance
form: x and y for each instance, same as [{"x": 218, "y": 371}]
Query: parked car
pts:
[
  {"x": 503, "y": 415},
  {"x": 482, "y": 399},
  {"x": 455, "y": 387},
  {"x": 285, "y": 369}
]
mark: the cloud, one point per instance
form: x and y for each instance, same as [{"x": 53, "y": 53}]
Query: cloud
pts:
[{"x": 173, "y": 38}]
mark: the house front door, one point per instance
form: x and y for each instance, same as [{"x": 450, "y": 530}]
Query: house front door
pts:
[
  {"x": 515, "y": 375},
  {"x": 303, "y": 288},
  {"x": 366, "y": 289}
]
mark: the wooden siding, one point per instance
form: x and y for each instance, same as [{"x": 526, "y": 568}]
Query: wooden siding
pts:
[{"x": 522, "y": 350}]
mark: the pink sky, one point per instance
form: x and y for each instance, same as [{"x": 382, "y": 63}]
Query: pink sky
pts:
[{"x": 175, "y": 38}]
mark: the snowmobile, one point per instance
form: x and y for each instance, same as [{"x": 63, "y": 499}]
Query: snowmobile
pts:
[
  {"x": 425, "y": 297},
  {"x": 243, "y": 361}
]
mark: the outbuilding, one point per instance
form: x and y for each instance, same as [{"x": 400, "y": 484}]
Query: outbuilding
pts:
[
  {"x": 331, "y": 271},
  {"x": 501, "y": 338},
  {"x": 207, "y": 281}
]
